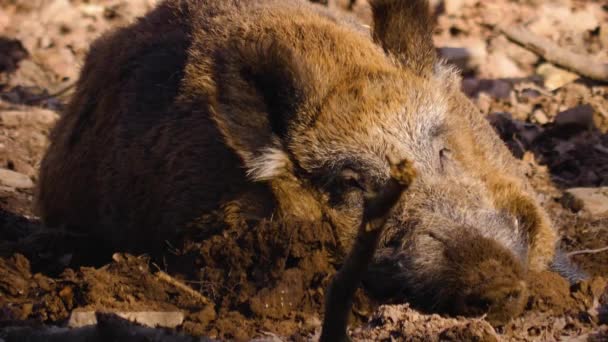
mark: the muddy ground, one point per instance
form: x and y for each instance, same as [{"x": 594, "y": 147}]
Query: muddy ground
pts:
[{"x": 267, "y": 279}]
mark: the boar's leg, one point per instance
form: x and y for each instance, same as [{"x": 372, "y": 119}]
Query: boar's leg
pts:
[{"x": 344, "y": 284}]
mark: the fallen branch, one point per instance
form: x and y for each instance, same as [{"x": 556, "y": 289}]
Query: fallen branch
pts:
[
  {"x": 378, "y": 206},
  {"x": 557, "y": 55},
  {"x": 588, "y": 251},
  {"x": 170, "y": 280}
]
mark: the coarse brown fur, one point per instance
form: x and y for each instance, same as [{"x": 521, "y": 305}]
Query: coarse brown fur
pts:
[{"x": 277, "y": 107}]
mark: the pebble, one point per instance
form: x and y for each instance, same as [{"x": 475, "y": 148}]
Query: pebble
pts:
[
  {"x": 554, "y": 77},
  {"x": 153, "y": 319},
  {"x": 579, "y": 116},
  {"x": 539, "y": 117},
  {"x": 593, "y": 200},
  {"x": 15, "y": 180}
]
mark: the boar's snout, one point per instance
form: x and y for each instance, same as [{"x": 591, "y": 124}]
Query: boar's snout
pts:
[
  {"x": 452, "y": 268},
  {"x": 492, "y": 288}
]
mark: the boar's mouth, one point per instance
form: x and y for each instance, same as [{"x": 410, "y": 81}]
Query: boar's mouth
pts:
[{"x": 474, "y": 276}]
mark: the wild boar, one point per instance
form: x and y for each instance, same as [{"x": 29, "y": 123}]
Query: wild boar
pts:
[{"x": 281, "y": 107}]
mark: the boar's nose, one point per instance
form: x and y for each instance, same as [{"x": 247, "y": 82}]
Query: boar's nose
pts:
[{"x": 499, "y": 305}]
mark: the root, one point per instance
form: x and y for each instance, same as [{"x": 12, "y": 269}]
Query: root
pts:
[
  {"x": 344, "y": 284},
  {"x": 170, "y": 280},
  {"x": 557, "y": 55},
  {"x": 587, "y": 251}
]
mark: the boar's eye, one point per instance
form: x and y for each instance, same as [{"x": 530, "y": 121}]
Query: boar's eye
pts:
[
  {"x": 351, "y": 179},
  {"x": 444, "y": 156}
]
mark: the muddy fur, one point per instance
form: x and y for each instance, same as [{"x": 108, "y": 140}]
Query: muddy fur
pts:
[{"x": 282, "y": 108}]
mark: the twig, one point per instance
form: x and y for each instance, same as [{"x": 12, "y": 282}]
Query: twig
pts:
[
  {"x": 588, "y": 251},
  {"x": 378, "y": 206},
  {"x": 555, "y": 54},
  {"x": 170, "y": 280}
]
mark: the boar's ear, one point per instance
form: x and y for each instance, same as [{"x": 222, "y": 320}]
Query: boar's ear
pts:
[
  {"x": 404, "y": 28},
  {"x": 261, "y": 85}
]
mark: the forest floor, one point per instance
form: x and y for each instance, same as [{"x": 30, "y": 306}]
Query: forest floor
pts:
[{"x": 257, "y": 284}]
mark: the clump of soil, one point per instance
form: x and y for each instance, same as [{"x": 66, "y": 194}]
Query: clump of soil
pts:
[
  {"x": 126, "y": 284},
  {"x": 398, "y": 322},
  {"x": 268, "y": 278},
  {"x": 264, "y": 276},
  {"x": 272, "y": 272}
]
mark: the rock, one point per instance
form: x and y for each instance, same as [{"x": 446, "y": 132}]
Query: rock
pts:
[
  {"x": 21, "y": 166},
  {"x": 580, "y": 117},
  {"x": 539, "y": 117},
  {"x": 593, "y": 200},
  {"x": 14, "y": 179},
  {"x": 555, "y": 77},
  {"x": 499, "y": 89},
  {"x": 522, "y": 56},
  {"x": 499, "y": 65},
  {"x": 453, "y": 7},
  {"x": 170, "y": 319},
  {"x": 582, "y": 20}
]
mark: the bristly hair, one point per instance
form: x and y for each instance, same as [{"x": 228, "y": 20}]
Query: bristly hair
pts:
[
  {"x": 270, "y": 164},
  {"x": 404, "y": 28}
]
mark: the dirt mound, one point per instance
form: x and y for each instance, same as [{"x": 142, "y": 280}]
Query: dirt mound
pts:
[
  {"x": 270, "y": 278},
  {"x": 271, "y": 272},
  {"x": 267, "y": 279},
  {"x": 264, "y": 277}
]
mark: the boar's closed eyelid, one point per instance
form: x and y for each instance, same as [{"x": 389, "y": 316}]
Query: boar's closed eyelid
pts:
[
  {"x": 348, "y": 173},
  {"x": 438, "y": 130}
]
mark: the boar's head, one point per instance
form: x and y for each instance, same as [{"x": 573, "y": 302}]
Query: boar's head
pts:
[{"x": 313, "y": 111}]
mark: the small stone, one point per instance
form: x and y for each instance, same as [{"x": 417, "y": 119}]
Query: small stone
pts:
[
  {"x": 153, "y": 319},
  {"x": 24, "y": 168},
  {"x": 92, "y": 10},
  {"x": 500, "y": 89},
  {"x": 582, "y": 20},
  {"x": 499, "y": 65},
  {"x": 594, "y": 200},
  {"x": 539, "y": 117},
  {"x": 555, "y": 77},
  {"x": 453, "y": 7},
  {"x": 579, "y": 117},
  {"x": 15, "y": 180}
]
